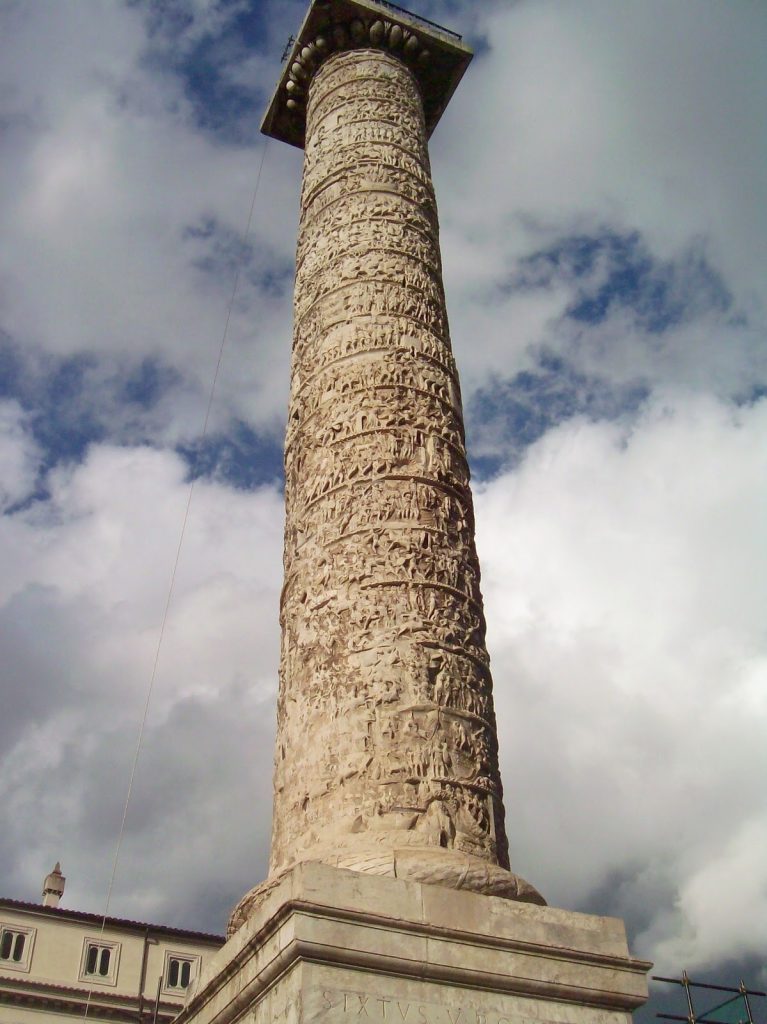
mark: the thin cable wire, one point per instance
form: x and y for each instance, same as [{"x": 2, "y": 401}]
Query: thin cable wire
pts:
[{"x": 177, "y": 559}]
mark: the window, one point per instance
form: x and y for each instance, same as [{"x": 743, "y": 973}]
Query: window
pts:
[
  {"x": 12, "y": 946},
  {"x": 16, "y": 947},
  {"x": 99, "y": 962},
  {"x": 180, "y": 971}
]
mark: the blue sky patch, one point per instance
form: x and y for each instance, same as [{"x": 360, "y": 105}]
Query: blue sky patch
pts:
[
  {"x": 614, "y": 271},
  {"x": 145, "y": 384},
  {"x": 241, "y": 458},
  {"x": 220, "y": 251},
  {"x": 206, "y": 59},
  {"x": 507, "y": 416},
  {"x": 56, "y": 394},
  {"x": 79, "y": 400}
]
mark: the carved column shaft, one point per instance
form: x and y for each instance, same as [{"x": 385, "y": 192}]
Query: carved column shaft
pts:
[{"x": 386, "y": 732}]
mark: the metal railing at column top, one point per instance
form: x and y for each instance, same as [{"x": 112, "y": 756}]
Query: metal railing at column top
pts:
[{"x": 417, "y": 17}]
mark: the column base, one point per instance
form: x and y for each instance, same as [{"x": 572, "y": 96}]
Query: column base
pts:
[
  {"x": 330, "y": 946},
  {"x": 431, "y": 865}
]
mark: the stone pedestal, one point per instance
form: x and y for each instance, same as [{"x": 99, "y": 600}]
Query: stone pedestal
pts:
[{"x": 336, "y": 946}]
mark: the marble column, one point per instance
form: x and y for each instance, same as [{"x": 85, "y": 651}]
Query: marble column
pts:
[
  {"x": 387, "y": 791},
  {"x": 387, "y": 751}
]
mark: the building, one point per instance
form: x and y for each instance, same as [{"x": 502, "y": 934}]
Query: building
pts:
[{"x": 62, "y": 964}]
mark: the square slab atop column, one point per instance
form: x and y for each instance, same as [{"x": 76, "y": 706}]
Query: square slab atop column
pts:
[{"x": 437, "y": 57}]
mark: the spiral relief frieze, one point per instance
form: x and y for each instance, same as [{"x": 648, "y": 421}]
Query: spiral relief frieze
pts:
[
  {"x": 386, "y": 733},
  {"x": 386, "y": 758}
]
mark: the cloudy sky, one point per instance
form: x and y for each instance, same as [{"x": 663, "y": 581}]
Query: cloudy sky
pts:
[{"x": 601, "y": 174}]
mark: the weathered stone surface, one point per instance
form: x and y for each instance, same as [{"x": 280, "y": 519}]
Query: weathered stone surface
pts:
[
  {"x": 387, "y": 757},
  {"x": 386, "y": 734},
  {"x": 329, "y": 946}
]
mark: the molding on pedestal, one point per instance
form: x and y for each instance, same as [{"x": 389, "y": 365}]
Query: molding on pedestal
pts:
[
  {"x": 430, "y": 866},
  {"x": 429, "y": 939}
]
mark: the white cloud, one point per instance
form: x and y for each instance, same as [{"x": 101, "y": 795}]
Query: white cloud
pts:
[
  {"x": 104, "y": 171},
  {"x": 600, "y": 116},
  {"x": 89, "y": 571},
  {"x": 19, "y": 455},
  {"x": 622, "y": 563},
  {"x": 623, "y": 578},
  {"x": 621, "y": 111},
  {"x": 721, "y": 904},
  {"x": 625, "y": 610}
]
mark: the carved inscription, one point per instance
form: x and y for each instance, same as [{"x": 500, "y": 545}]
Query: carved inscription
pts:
[
  {"x": 386, "y": 730},
  {"x": 373, "y": 1006}
]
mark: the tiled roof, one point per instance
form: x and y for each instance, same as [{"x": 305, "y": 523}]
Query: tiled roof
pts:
[
  {"x": 27, "y": 985},
  {"x": 115, "y": 922}
]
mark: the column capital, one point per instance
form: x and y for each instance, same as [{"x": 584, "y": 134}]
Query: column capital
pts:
[{"x": 437, "y": 57}]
